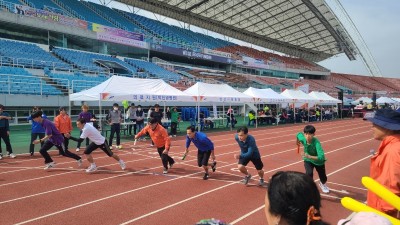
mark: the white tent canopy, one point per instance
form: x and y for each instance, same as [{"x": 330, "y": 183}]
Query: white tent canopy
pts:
[
  {"x": 363, "y": 99},
  {"x": 205, "y": 92},
  {"x": 324, "y": 98},
  {"x": 266, "y": 96},
  {"x": 383, "y": 100},
  {"x": 298, "y": 96},
  {"x": 118, "y": 88}
]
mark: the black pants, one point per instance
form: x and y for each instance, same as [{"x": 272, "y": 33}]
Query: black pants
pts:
[
  {"x": 320, "y": 170},
  {"x": 66, "y": 143},
  {"x": 79, "y": 143},
  {"x": 48, "y": 145},
  {"x": 6, "y": 139},
  {"x": 115, "y": 128},
  {"x": 34, "y": 136},
  {"x": 165, "y": 158},
  {"x": 173, "y": 128},
  {"x": 134, "y": 127}
]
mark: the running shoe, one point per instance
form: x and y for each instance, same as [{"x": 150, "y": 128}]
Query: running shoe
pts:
[
  {"x": 323, "y": 187},
  {"x": 165, "y": 171},
  {"x": 49, "y": 165},
  {"x": 122, "y": 164},
  {"x": 214, "y": 166},
  {"x": 77, "y": 149},
  {"x": 11, "y": 155},
  {"x": 261, "y": 182},
  {"x": 205, "y": 176},
  {"x": 91, "y": 168},
  {"x": 246, "y": 179}
]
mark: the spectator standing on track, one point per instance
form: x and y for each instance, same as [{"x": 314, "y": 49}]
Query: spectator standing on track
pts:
[
  {"x": 157, "y": 114},
  {"x": 53, "y": 138},
  {"x": 161, "y": 140},
  {"x": 174, "y": 121},
  {"x": 64, "y": 125},
  {"x": 98, "y": 141},
  {"x": 205, "y": 149},
  {"x": 313, "y": 155},
  {"x": 37, "y": 130},
  {"x": 132, "y": 118},
  {"x": 292, "y": 198},
  {"x": 249, "y": 152},
  {"x": 5, "y": 132},
  {"x": 115, "y": 118},
  {"x": 385, "y": 163},
  {"x": 88, "y": 118},
  {"x": 139, "y": 118}
]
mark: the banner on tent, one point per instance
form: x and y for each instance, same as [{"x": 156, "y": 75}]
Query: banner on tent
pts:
[{"x": 108, "y": 96}]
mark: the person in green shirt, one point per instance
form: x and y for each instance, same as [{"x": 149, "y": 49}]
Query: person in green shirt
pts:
[
  {"x": 174, "y": 121},
  {"x": 313, "y": 155}
]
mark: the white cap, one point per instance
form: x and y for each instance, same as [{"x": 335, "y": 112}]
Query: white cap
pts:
[{"x": 365, "y": 218}]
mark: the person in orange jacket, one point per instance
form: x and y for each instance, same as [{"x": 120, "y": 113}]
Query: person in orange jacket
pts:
[
  {"x": 385, "y": 162},
  {"x": 159, "y": 136},
  {"x": 64, "y": 125}
]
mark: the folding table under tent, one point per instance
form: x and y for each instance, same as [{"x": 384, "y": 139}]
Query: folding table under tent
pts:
[
  {"x": 266, "y": 96},
  {"x": 215, "y": 93}
]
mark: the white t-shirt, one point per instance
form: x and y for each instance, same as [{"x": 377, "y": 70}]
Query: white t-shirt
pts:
[{"x": 89, "y": 131}]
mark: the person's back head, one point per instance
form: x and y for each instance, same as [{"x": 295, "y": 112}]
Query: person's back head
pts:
[
  {"x": 365, "y": 218},
  {"x": 292, "y": 198}
]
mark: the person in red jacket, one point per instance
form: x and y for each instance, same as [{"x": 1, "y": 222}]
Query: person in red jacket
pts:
[
  {"x": 159, "y": 136},
  {"x": 385, "y": 162}
]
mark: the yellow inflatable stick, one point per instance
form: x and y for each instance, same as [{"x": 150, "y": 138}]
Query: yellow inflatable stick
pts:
[
  {"x": 356, "y": 206},
  {"x": 381, "y": 191}
]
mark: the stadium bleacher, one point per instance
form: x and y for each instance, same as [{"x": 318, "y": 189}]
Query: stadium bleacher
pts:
[
  {"x": 27, "y": 55},
  {"x": 153, "y": 69}
]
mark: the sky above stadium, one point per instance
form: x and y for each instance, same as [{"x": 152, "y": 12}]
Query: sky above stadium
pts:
[{"x": 376, "y": 21}]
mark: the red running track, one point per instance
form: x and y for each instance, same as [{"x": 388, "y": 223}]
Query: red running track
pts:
[{"x": 143, "y": 195}]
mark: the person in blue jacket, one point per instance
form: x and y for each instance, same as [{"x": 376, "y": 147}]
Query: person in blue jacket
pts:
[
  {"x": 205, "y": 149},
  {"x": 248, "y": 153},
  {"x": 37, "y": 130}
]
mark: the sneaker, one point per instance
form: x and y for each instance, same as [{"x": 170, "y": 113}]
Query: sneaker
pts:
[
  {"x": 119, "y": 146},
  {"x": 31, "y": 153},
  {"x": 91, "y": 168},
  {"x": 170, "y": 135},
  {"x": 110, "y": 147},
  {"x": 171, "y": 164},
  {"x": 261, "y": 182},
  {"x": 79, "y": 161},
  {"x": 122, "y": 164},
  {"x": 323, "y": 187},
  {"x": 214, "y": 166},
  {"x": 246, "y": 179},
  {"x": 151, "y": 145},
  {"x": 165, "y": 171},
  {"x": 11, "y": 155},
  {"x": 77, "y": 149},
  {"x": 205, "y": 176},
  {"x": 174, "y": 135},
  {"x": 1, "y": 156},
  {"x": 49, "y": 165}
]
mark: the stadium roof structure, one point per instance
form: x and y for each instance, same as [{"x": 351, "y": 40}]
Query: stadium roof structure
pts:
[{"x": 302, "y": 28}]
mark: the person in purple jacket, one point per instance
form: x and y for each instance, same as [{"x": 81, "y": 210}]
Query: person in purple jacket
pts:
[
  {"x": 37, "y": 130},
  {"x": 205, "y": 149},
  {"x": 85, "y": 114},
  {"x": 52, "y": 138}
]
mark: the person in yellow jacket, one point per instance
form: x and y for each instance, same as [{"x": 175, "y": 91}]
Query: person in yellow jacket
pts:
[{"x": 252, "y": 118}]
